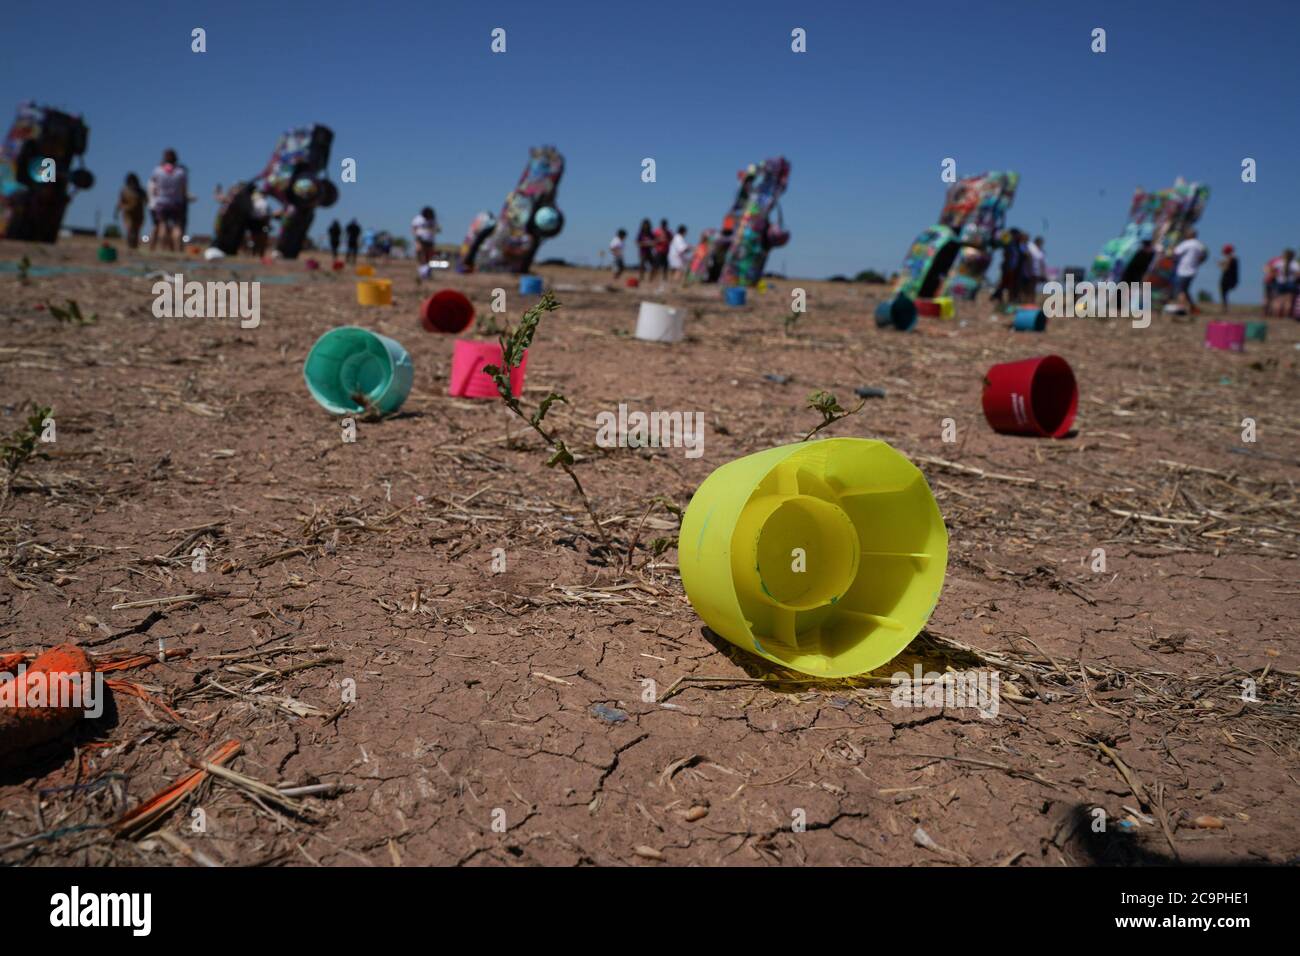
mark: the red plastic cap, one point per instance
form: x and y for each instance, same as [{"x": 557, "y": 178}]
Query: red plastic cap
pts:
[
  {"x": 446, "y": 311},
  {"x": 1036, "y": 396}
]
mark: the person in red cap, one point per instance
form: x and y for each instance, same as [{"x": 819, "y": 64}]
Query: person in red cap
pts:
[{"x": 1229, "y": 273}]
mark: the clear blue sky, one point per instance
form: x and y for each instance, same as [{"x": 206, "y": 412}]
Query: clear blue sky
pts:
[{"x": 866, "y": 116}]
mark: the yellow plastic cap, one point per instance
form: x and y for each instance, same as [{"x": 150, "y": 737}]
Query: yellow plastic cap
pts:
[
  {"x": 375, "y": 292},
  {"x": 824, "y": 557}
]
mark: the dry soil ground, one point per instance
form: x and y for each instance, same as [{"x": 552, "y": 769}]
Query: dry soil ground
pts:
[{"x": 503, "y": 717}]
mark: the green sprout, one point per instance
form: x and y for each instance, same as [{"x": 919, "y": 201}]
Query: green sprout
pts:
[
  {"x": 514, "y": 343},
  {"x": 18, "y": 447},
  {"x": 72, "y": 314},
  {"x": 658, "y": 545},
  {"x": 791, "y": 320},
  {"x": 830, "y": 409},
  {"x": 370, "y": 412},
  {"x": 488, "y": 326}
]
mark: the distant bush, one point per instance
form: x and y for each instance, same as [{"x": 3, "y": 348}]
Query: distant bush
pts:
[
  {"x": 1204, "y": 296},
  {"x": 870, "y": 275},
  {"x": 838, "y": 279},
  {"x": 112, "y": 232}
]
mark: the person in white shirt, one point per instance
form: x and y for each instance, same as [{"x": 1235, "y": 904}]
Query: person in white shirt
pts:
[
  {"x": 168, "y": 193},
  {"x": 616, "y": 250},
  {"x": 259, "y": 221},
  {"x": 678, "y": 250},
  {"x": 1037, "y": 264},
  {"x": 424, "y": 228},
  {"x": 1189, "y": 254},
  {"x": 1282, "y": 283}
]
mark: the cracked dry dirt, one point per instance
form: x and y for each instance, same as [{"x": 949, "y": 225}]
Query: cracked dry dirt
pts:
[{"x": 371, "y": 563}]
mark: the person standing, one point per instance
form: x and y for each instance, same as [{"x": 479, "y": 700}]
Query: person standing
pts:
[
  {"x": 1010, "y": 277},
  {"x": 1270, "y": 284},
  {"x": 1285, "y": 282},
  {"x": 1189, "y": 254},
  {"x": 424, "y": 228},
  {"x": 259, "y": 222},
  {"x": 130, "y": 206},
  {"x": 678, "y": 249},
  {"x": 353, "y": 232},
  {"x": 1229, "y": 274},
  {"x": 1019, "y": 278},
  {"x": 1040, "y": 262},
  {"x": 168, "y": 194},
  {"x": 1035, "y": 267},
  {"x": 616, "y": 251},
  {"x": 645, "y": 249},
  {"x": 1139, "y": 265},
  {"x": 335, "y": 233},
  {"x": 663, "y": 238}
]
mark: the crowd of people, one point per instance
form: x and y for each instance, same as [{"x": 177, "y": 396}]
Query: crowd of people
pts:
[
  {"x": 665, "y": 253},
  {"x": 1024, "y": 267},
  {"x": 1281, "y": 277},
  {"x": 660, "y": 252},
  {"x": 336, "y": 233},
  {"x": 371, "y": 242},
  {"x": 166, "y": 199},
  {"x": 259, "y": 219},
  {"x": 166, "y": 196}
]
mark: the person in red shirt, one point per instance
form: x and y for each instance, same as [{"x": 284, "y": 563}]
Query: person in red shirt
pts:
[{"x": 663, "y": 237}]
